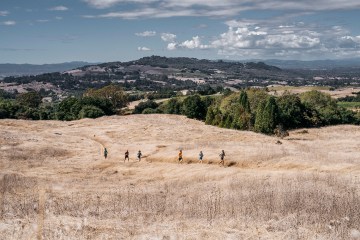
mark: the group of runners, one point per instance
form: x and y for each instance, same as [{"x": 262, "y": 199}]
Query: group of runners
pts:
[
  {"x": 180, "y": 159},
  {"x": 201, "y": 157}
]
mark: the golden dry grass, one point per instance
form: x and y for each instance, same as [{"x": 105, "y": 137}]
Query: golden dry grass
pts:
[{"x": 55, "y": 183}]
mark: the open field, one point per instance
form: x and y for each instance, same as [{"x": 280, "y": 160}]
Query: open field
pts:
[
  {"x": 355, "y": 106},
  {"x": 337, "y": 93},
  {"x": 55, "y": 183}
]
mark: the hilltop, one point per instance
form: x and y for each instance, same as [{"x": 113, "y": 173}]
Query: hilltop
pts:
[{"x": 55, "y": 183}]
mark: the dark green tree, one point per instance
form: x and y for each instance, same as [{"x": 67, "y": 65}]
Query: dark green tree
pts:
[
  {"x": 292, "y": 111},
  {"x": 193, "y": 107},
  {"x": 321, "y": 104},
  {"x": 114, "y": 93},
  {"x": 210, "y": 116},
  {"x": 173, "y": 106},
  {"x": 144, "y": 105},
  {"x": 29, "y": 99},
  {"x": 267, "y": 116},
  {"x": 69, "y": 109}
]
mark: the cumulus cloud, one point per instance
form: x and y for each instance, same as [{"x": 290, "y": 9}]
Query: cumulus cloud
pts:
[
  {"x": 143, "y": 49},
  {"x": 146, "y": 34},
  {"x": 295, "y": 41},
  {"x": 349, "y": 42},
  {"x": 171, "y": 46},
  {"x": 8, "y": 23},
  {"x": 194, "y": 43},
  {"x": 168, "y": 37},
  {"x": 59, "y": 8},
  {"x": 261, "y": 39},
  {"x": 4, "y": 13}
]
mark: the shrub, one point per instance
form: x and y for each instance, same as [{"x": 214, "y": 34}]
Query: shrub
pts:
[
  {"x": 149, "y": 111},
  {"x": 91, "y": 112},
  {"x": 144, "y": 105}
]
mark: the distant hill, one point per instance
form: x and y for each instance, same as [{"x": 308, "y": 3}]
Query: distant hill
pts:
[
  {"x": 169, "y": 75},
  {"x": 9, "y": 69},
  {"x": 316, "y": 64}
]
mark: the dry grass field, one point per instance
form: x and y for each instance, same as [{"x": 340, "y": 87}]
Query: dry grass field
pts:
[{"x": 56, "y": 184}]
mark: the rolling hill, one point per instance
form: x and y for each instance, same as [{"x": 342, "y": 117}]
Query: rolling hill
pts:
[{"x": 55, "y": 183}]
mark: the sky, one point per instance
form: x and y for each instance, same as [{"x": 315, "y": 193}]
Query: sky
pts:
[{"x": 54, "y": 31}]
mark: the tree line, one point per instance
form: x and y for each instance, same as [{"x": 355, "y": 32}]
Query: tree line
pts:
[
  {"x": 251, "y": 109},
  {"x": 256, "y": 110},
  {"x": 92, "y": 104}
]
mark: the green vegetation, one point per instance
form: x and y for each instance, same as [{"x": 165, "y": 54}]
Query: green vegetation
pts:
[
  {"x": 256, "y": 110},
  {"x": 252, "y": 109},
  {"x": 93, "y": 104},
  {"x": 147, "y": 105},
  {"x": 349, "y": 105}
]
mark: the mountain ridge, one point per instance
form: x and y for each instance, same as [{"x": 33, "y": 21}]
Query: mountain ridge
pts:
[{"x": 13, "y": 69}]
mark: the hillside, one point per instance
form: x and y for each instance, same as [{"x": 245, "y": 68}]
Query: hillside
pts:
[
  {"x": 169, "y": 76},
  {"x": 55, "y": 183}
]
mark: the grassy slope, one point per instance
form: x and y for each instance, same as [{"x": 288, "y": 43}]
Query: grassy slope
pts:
[{"x": 55, "y": 183}]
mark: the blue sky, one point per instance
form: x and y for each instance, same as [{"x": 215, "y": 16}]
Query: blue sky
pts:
[{"x": 52, "y": 31}]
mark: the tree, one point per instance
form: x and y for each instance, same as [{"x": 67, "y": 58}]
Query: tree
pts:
[
  {"x": 267, "y": 116},
  {"x": 193, "y": 107},
  {"x": 242, "y": 113},
  {"x": 210, "y": 116},
  {"x": 321, "y": 104},
  {"x": 102, "y": 103},
  {"x": 244, "y": 101},
  {"x": 291, "y": 111},
  {"x": 69, "y": 109},
  {"x": 114, "y": 93},
  {"x": 8, "y": 108},
  {"x": 144, "y": 105},
  {"x": 173, "y": 106},
  {"x": 29, "y": 99}
]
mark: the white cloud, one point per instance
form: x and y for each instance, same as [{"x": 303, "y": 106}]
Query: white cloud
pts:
[
  {"x": 232, "y": 4},
  {"x": 260, "y": 39},
  {"x": 59, "y": 18},
  {"x": 168, "y": 37},
  {"x": 191, "y": 44},
  {"x": 59, "y": 8},
  {"x": 8, "y": 23},
  {"x": 143, "y": 49},
  {"x": 4, "y": 13},
  {"x": 263, "y": 39},
  {"x": 172, "y": 46},
  {"x": 213, "y": 8},
  {"x": 194, "y": 43},
  {"x": 146, "y": 34},
  {"x": 288, "y": 41},
  {"x": 110, "y": 3}
]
